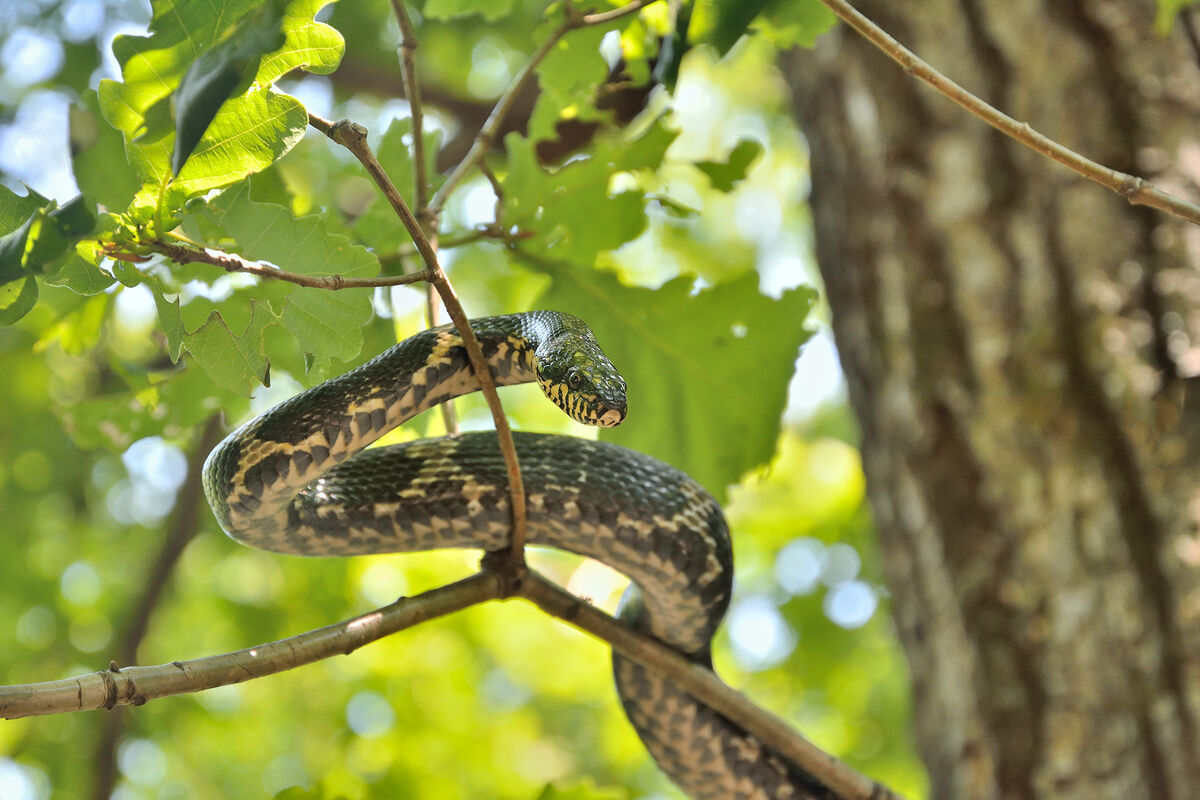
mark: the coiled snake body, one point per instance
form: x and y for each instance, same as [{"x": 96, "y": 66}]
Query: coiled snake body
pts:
[{"x": 296, "y": 480}]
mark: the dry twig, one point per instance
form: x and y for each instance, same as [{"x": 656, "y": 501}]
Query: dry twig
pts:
[
  {"x": 184, "y": 254},
  {"x": 1138, "y": 191}
]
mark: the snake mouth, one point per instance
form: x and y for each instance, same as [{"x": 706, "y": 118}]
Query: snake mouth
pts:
[{"x": 611, "y": 418}]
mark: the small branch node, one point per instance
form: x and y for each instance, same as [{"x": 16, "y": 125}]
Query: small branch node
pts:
[
  {"x": 508, "y": 567},
  {"x": 1131, "y": 186},
  {"x": 349, "y": 134}
]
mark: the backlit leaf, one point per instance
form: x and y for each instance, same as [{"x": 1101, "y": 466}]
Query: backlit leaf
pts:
[{"x": 707, "y": 371}]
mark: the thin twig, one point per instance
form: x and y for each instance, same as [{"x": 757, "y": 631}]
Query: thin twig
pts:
[
  {"x": 487, "y": 134},
  {"x": 433, "y": 319},
  {"x": 182, "y": 254},
  {"x": 412, "y": 93},
  {"x": 1138, "y": 191},
  {"x": 703, "y": 684},
  {"x": 123, "y": 686},
  {"x": 353, "y": 137}
]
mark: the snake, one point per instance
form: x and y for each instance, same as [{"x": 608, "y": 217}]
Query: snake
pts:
[{"x": 300, "y": 479}]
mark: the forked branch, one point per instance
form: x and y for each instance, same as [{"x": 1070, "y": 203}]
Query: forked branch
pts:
[{"x": 119, "y": 686}]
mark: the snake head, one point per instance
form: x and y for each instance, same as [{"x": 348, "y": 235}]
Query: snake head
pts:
[{"x": 576, "y": 374}]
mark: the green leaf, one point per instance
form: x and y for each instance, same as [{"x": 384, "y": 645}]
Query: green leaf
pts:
[
  {"x": 378, "y": 227},
  {"x": 170, "y": 319},
  {"x": 787, "y": 23},
  {"x": 326, "y": 323},
  {"x": 707, "y": 372},
  {"x": 17, "y": 298},
  {"x": 247, "y": 133},
  {"x": 234, "y": 361},
  {"x": 80, "y": 276},
  {"x": 733, "y": 20},
  {"x": 216, "y": 75},
  {"x": 568, "y": 79},
  {"x": 15, "y": 209},
  {"x": 449, "y": 9},
  {"x": 44, "y": 237},
  {"x": 1168, "y": 10},
  {"x": 570, "y": 210},
  {"x": 673, "y": 48},
  {"x": 723, "y": 175},
  {"x": 784, "y": 22},
  {"x": 13, "y": 247},
  {"x": 98, "y": 155},
  {"x": 250, "y": 133},
  {"x": 307, "y": 44}
]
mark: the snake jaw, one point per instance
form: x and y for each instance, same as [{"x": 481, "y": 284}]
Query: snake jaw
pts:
[{"x": 611, "y": 418}]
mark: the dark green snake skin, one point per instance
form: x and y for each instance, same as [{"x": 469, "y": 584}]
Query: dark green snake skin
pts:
[{"x": 297, "y": 480}]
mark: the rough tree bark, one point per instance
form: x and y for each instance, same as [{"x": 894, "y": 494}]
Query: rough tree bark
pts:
[{"x": 1019, "y": 346}]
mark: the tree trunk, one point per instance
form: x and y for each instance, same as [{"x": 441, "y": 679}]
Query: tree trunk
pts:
[{"x": 1019, "y": 345}]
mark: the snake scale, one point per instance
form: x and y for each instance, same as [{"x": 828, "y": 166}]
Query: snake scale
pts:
[{"x": 297, "y": 479}]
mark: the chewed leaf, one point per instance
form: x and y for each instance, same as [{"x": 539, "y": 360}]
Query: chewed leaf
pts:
[{"x": 234, "y": 361}]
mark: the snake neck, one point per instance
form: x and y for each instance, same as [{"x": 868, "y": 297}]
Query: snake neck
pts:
[{"x": 250, "y": 477}]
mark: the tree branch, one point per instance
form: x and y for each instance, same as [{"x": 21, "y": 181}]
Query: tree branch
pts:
[
  {"x": 704, "y": 685},
  {"x": 412, "y": 93},
  {"x": 135, "y": 685},
  {"x": 183, "y": 254},
  {"x": 1138, "y": 191},
  {"x": 353, "y": 137},
  {"x": 487, "y": 134}
]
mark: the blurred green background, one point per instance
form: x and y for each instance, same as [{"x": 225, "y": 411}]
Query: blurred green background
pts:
[{"x": 497, "y": 701}]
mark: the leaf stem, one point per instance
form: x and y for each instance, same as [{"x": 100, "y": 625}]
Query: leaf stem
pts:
[
  {"x": 1138, "y": 191},
  {"x": 412, "y": 93}
]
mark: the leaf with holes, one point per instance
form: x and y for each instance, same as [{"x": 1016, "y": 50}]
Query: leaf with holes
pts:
[{"x": 234, "y": 361}]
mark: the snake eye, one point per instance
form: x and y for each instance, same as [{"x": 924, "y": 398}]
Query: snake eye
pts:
[{"x": 574, "y": 379}]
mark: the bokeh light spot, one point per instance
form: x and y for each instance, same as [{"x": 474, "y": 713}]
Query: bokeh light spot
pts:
[
  {"x": 760, "y": 636},
  {"x": 851, "y": 604},
  {"x": 369, "y": 714}
]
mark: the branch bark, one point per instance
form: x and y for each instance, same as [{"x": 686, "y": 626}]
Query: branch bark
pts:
[
  {"x": 119, "y": 686},
  {"x": 126, "y": 686},
  {"x": 184, "y": 254}
]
